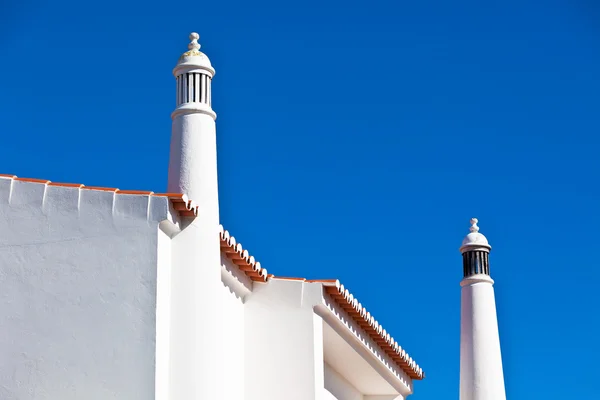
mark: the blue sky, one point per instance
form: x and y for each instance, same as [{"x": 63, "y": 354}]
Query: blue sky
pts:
[{"x": 355, "y": 141}]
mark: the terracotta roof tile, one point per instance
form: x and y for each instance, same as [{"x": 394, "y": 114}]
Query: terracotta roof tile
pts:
[
  {"x": 171, "y": 195},
  {"x": 364, "y": 319},
  {"x": 240, "y": 257},
  {"x": 181, "y": 203},
  {"x": 77, "y": 185},
  {"x": 141, "y": 192},
  {"x": 31, "y": 180},
  {"x": 105, "y": 189}
]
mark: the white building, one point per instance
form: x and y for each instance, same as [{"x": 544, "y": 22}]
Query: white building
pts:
[{"x": 128, "y": 295}]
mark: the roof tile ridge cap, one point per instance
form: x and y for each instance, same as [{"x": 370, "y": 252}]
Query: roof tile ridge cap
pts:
[
  {"x": 11, "y": 176},
  {"x": 349, "y": 298}
]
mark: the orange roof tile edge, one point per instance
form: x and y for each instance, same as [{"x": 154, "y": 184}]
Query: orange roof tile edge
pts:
[
  {"x": 365, "y": 320},
  {"x": 180, "y": 202},
  {"x": 78, "y": 185},
  {"x": 30, "y": 180},
  {"x": 104, "y": 189},
  {"x": 142, "y": 192},
  {"x": 240, "y": 257}
]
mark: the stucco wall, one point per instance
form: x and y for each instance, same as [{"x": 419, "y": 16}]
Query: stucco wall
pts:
[
  {"x": 284, "y": 342},
  {"x": 339, "y": 388},
  {"x": 164, "y": 289},
  {"x": 233, "y": 332},
  {"x": 97, "y": 302},
  {"x": 77, "y": 292}
]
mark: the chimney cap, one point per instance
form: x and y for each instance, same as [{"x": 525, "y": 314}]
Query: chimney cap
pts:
[
  {"x": 193, "y": 59},
  {"x": 474, "y": 240}
]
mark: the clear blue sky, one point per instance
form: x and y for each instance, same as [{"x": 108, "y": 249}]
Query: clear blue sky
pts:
[{"x": 355, "y": 141}]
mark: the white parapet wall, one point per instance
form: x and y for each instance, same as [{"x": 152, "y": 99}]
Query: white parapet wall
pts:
[{"x": 78, "y": 282}]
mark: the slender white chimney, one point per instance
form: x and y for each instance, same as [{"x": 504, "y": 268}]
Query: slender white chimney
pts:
[
  {"x": 481, "y": 376},
  {"x": 195, "y": 369},
  {"x": 193, "y": 158}
]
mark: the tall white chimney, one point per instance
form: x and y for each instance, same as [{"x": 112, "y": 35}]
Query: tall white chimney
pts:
[
  {"x": 481, "y": 376},
  {"x": 195, "y": 369},
  {"x": 193, "y": 158}
]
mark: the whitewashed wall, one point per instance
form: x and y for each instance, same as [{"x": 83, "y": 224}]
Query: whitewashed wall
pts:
[
  {"x": 97, "y": 302},
  {"x": 164, "y": 303},
  {"x": 284, "y": 342},
  {"x": 235, "y": 286},
  {"x": 77, "y": 292},
  {"x": 336, "y": 387}
]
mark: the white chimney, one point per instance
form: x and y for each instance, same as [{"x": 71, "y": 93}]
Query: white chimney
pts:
[
  {"x": 193, "y": 158},
  {"x": 195, "y": 341},
  {"x": 481, "y": 376}
]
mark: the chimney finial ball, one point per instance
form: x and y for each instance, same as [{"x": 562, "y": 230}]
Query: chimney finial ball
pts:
[
  {"x": 474, "y": 227},
  {"x": 194, "y": 45}
]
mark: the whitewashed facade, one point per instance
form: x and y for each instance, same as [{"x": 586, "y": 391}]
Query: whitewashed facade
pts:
[{"x": 110, "y": 294}]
